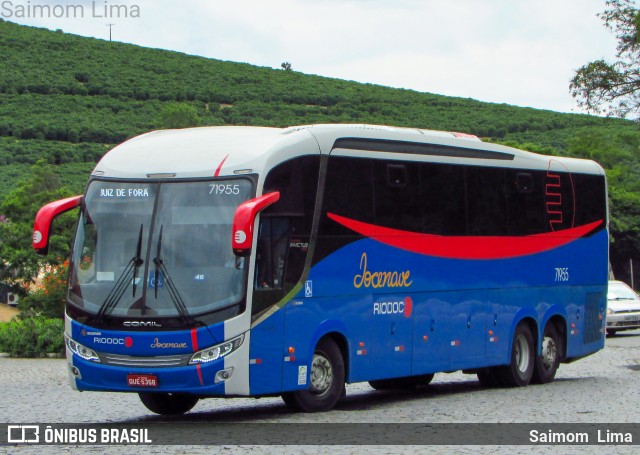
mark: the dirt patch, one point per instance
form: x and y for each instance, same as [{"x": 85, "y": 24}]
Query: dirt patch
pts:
[{"x": 7, "y": 312}]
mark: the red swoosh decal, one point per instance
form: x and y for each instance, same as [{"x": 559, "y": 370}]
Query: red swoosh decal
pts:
[
  {"x": 217, "y": 173},
  {"x": 466, "y": 247}
]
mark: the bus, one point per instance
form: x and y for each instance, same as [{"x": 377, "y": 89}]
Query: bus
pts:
[{"x": 248, "y": 261}]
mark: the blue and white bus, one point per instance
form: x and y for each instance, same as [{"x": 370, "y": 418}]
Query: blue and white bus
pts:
[{"x": 246, "y": 261}]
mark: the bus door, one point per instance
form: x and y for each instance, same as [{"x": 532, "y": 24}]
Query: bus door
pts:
[
  {"x": 498, "y": 327},
  {"x": 468, "y": 322},
  {"x": 392, "y": 326},
  {"x": 431, "y": 334}
]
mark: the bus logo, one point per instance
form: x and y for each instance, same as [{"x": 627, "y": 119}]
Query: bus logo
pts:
[
  {"x": 404, "y": 307},
  {"x": 240, "y": 236},
  {"x": 23, "y": 433},
  {"x": 381, "y": 279}
]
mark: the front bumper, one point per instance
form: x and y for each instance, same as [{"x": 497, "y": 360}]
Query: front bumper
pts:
[
  {"x": 623, "y": 321},
  {"x": 202, "y": 379}
]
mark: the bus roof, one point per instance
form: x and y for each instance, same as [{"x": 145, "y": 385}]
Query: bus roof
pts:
[{"x": 229, "y": 150}]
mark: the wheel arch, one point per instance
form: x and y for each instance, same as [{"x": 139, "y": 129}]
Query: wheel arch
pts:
[{"x": 336, "y": 331}]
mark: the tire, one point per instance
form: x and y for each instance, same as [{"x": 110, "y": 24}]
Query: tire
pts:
[
  {"x": 409, "y": 382},
  {"x": 611, "y": 332},
  {"x": 168, "y": 403},
  {"x": 547, "y": 363},
  {"x": 327, "y": 377},
  {"x": 520, "y": 370}
]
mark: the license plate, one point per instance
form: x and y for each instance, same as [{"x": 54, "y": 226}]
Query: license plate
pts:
[
  {"x": 142, "y": 380},
  {"x": 631, "y": 318}
]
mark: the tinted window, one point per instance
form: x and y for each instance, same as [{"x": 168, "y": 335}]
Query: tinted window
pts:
[
  {"x": 486, "y": 201},
  {"x": 395, "y": 189},
  {"x": 591, "y": 200},
  {"x": 525, "y": 199},
  {"x": 443, "y": 199},
  {"x": 454, "y": 200},
  {"x": 348, "y": 192}
]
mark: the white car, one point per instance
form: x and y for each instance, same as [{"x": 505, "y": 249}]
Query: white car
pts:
[{"x": 623, "y": 308}]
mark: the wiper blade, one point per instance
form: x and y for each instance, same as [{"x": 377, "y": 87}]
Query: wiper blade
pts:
[
  {"x": 173, "y": 291},
  {"x": 120, "y": 286},
  {"x": 137, "y": 262},
  {"x": 157, "y": 261}
]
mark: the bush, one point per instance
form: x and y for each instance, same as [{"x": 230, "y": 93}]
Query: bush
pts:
[
  {"x": 32, "y": 337},
  {"x": 48, "y": 298}
]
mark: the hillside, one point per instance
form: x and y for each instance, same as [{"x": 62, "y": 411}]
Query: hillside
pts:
[{"x": 68, "y": 99}]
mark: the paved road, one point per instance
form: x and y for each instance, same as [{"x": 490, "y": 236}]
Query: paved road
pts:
[{"x": 602, "y": 388}]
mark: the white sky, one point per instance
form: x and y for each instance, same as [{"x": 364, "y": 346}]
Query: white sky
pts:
[{"x": 521, "y": 52}]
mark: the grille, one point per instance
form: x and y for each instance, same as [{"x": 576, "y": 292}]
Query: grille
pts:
[
  {"x": 625, "y": 324},
  {"x": 156, "y": 361}
]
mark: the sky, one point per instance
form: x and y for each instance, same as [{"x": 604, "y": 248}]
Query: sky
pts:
[{"x": 519, "y": 52}]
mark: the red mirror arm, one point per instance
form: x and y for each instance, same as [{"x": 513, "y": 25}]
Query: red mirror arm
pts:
[
  {"x": 243, "y": 221},
  {"x": 44, "y": 218}
]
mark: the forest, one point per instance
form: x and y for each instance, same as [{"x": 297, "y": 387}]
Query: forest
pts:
[{"x": 65, "y": 100}]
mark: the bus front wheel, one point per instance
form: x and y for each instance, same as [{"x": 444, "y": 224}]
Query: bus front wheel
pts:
[
  {"x": 168, "y": 403},
  {"x": 520, "y": 370},
  {"x": 326, "y": 381}
]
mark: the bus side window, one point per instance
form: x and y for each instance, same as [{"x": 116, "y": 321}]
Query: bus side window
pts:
[
  {"x": 285, "y": 230},
  {"x": 271, "y": 254}
]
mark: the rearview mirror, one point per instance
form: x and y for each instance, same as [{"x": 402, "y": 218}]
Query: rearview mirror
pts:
[
  {"x": 244, "y": 219},
  {"x": 44, "y": 218}
]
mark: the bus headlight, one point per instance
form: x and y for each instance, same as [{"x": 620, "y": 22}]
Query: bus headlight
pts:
[
  {"x": 217, "y": 351},
  {"x": 82, "y": 351}
]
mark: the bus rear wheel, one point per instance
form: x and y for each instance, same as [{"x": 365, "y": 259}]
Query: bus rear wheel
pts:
[
  {"x": 326, "y": 383},
  {"x": 409, "y": 382},
  {"x": 548, "y": 361},
  {"x": 168, "y": 403},
  {"x": 520, "y": 370}
]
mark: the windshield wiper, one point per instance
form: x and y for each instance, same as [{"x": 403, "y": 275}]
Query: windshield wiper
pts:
[
  {"x": 137, "y": 262},
  {"x": 173, "y": 291},
  {"x": 120, "y": 286}
]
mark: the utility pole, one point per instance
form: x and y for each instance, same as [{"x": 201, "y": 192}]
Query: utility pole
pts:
[{"x": 110, "y": 25}]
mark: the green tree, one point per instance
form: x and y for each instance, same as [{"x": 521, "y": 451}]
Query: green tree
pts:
[
  {"x": 613, "y": 87},
  {"x": 19, "y": 264},
  {"x": 179, "y": 115}
]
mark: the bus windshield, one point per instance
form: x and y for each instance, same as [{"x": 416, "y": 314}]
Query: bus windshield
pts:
[{"x": 157, "y": 249}]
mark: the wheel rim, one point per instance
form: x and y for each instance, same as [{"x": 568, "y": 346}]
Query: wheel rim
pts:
[
  {"x": 549, "y": 352},
  {"x": 321, "y": 374},
  {"x": 522, "y": 354}
]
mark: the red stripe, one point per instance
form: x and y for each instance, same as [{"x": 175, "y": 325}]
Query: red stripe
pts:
[
  {"x": 467, "y": 247},
  {"x": 194, "y": 339},
  {"x": 199, "y": 370},
  {"x": 217, "y": 173}
]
